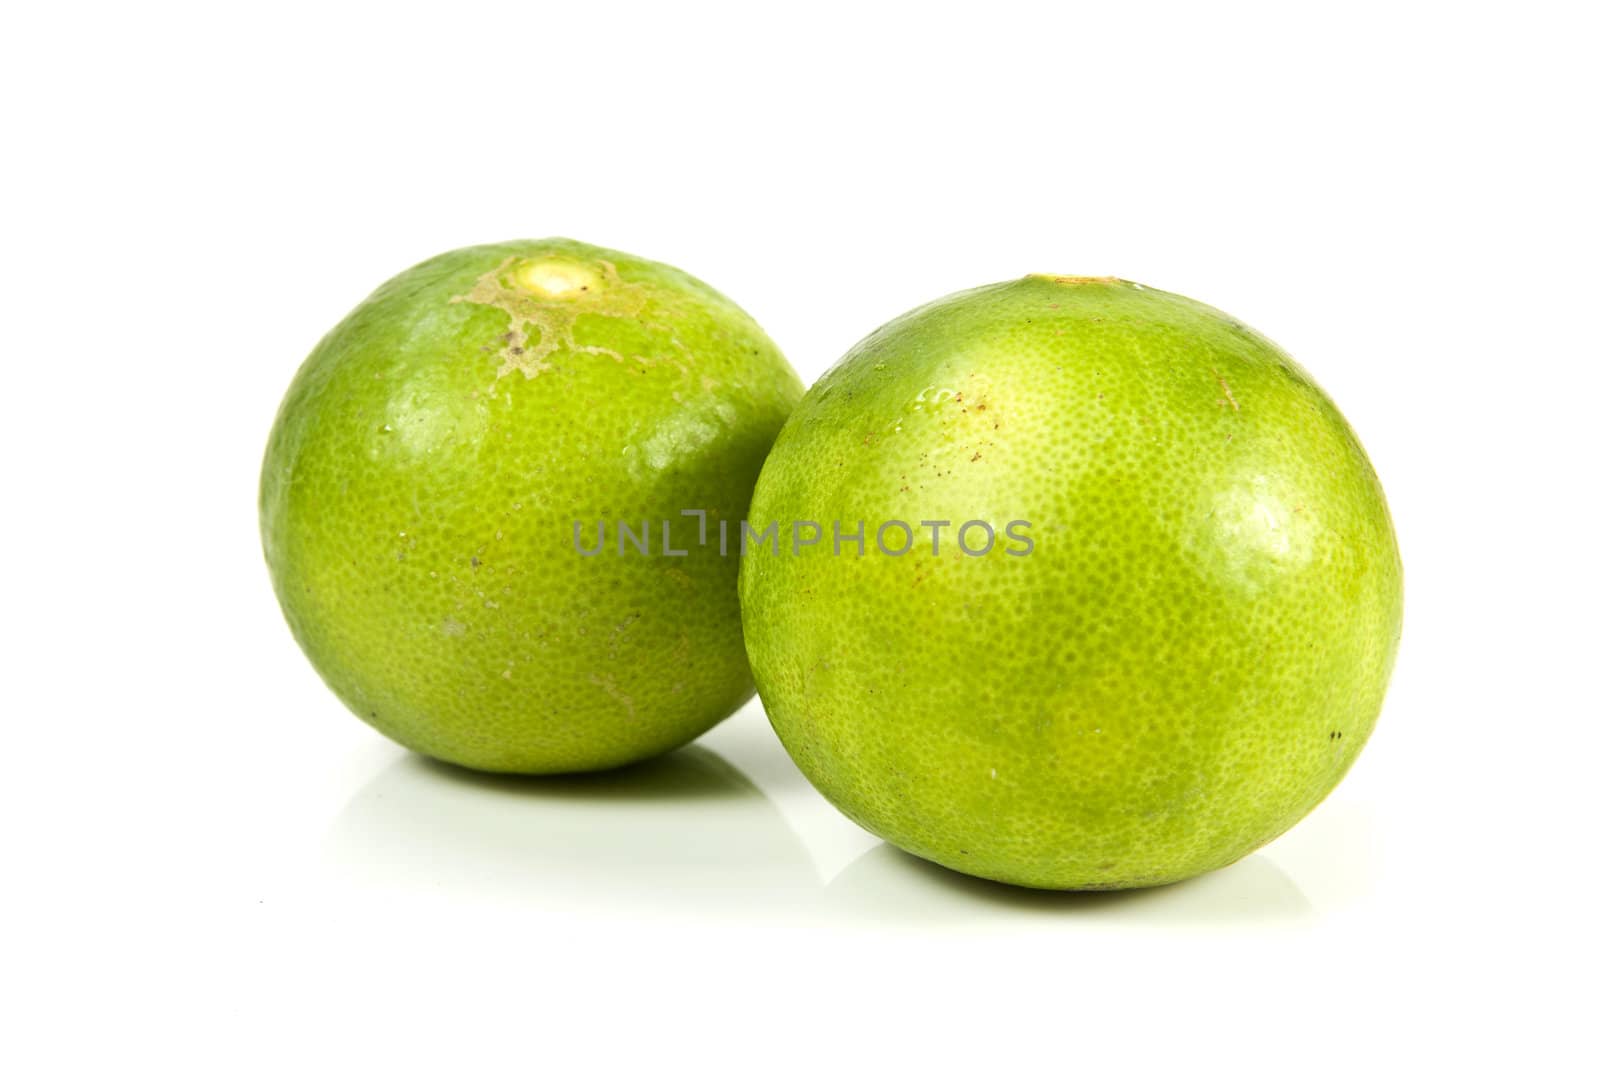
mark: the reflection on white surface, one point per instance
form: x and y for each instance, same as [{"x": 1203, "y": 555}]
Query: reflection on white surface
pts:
[
  {"x": 888, "y": 884},
  {"x": 684, "y": 826},
  {"x": 693, "y": 832}
]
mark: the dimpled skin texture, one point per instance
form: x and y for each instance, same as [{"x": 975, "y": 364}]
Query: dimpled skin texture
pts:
[
  {"x": 1187, "y": 661},
  {"x": 426, "y": 468}
]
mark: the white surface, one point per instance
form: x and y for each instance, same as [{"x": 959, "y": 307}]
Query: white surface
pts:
[{"x": 212, "y": 862}]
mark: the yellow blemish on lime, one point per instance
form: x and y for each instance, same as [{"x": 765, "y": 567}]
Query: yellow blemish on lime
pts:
[
  {"x": 1080, "y": 279},
  {"x": 544, "y": 296},
  {"x": 559, "y": 278}
]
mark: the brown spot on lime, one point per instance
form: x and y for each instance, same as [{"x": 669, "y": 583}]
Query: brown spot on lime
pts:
[{"x": 1226, "y": 392}]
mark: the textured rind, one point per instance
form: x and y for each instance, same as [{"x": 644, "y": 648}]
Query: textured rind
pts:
[
  {"x": 419, "y": 490},
  {"x": 1187, "y": 662}
]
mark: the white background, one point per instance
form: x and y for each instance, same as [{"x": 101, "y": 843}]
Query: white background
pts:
[{"x": 212, "y": 862}]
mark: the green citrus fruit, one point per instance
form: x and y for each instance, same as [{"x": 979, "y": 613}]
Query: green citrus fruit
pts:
[
  {"x": 426, "y": 470},
  {"x": 1177, "y": 640}
]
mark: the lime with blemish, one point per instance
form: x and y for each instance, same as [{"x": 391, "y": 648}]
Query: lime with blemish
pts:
[
  {"x": 446, "y": 451},
  {"x": 1165, "y": 633}
]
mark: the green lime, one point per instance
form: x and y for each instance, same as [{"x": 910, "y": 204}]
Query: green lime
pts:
[
  {"x": 449, "y": 447},
  {"x": 1155, "y": 628}
]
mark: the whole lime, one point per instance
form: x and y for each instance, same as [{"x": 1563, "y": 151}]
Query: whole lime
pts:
[
  {"x": 1081, "y": 585},
  {"x": 445, "y": 490}
]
